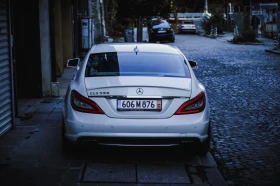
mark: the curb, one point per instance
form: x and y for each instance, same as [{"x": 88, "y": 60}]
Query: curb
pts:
[
  {"x": 247, "y": 43},
  {"x": 275, "y": 51}
]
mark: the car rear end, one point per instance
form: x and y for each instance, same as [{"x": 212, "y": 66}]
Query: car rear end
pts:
[
  {"x": 149, "y": 99},
  {"x": 161, "y": 32}
]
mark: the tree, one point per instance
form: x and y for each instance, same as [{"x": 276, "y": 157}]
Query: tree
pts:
[
  {"x": 189, "y": 5},
  {"x": 144, "y": 8},
  {"x": 110, "y": 13},
  {"x": 134, "y": 11},
  {"x": 217, "y": 6}
]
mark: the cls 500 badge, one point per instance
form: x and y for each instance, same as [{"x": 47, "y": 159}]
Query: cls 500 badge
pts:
[{"x": 98, "y": 93}]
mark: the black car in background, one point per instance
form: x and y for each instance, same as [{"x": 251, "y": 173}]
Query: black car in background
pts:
[{"x": 160, "y": 30}]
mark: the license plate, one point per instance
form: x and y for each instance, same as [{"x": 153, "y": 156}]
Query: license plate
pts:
[
  {"x": 161, "y": 31},
  {"x": 138, "y": 105}
]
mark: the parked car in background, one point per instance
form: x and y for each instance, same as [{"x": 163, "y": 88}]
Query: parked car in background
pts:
[
  {"x": 160, "y": 30},
  {"x": 187, "y": 26},
  {"x": 136, "y": 94}
]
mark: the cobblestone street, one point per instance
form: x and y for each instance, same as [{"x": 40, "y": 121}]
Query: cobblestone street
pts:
[{"x": 243, "y": 87}]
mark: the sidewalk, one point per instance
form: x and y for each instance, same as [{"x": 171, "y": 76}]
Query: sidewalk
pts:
[
  {"x": 26, "y": 106},
  {"x": 268, "y": 42},
  {"x": 30, "y": 154}
]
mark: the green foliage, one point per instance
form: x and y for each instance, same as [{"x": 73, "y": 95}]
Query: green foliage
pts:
[
  {"x": 117, "y": 29},
  {"x": 110, "y": 12},
  {"x": 122, "y": 14},
  {"x": 188, "y": 5},
  {"x": 245, "y": 36},
  {"x": 216, "y": 20},
  {"x": 134, "y": 8},
  {"x": 216, "y": 6},
  {"x": 206, "y": 25}
]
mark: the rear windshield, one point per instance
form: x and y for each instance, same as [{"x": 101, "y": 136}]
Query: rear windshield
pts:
[
  {"x": 187, "y": 22},
  {"x": 140, "y": 64},
  {"x": 162, "y": 24}
]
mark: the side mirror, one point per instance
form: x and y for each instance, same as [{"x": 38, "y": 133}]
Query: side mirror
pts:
[
  {"x": 193, "y": 64},
  {"x": 73, "y": 63}
]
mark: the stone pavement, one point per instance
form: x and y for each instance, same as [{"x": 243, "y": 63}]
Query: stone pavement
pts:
[{"x": 26, "y": 153}]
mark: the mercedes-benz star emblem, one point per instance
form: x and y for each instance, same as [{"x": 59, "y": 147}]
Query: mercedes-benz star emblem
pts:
[{"x": 139, "y": 91}]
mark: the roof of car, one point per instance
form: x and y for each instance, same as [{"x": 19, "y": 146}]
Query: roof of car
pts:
[{"x": 133, "y": 47}]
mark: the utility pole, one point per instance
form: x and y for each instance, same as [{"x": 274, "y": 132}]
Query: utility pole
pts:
[
  {"x": 206, "y": 7},
  {"x": 250, "y": 11},
  {"x": 101, "y": 21},
  {"x": 96, "y": 14},
  {"x": 228, "y": 18}
]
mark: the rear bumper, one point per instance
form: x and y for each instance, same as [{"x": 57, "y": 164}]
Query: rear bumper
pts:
[
  {"x": 161, "y": 37},
  {"x": 187, "y": 30},
  {"x": 135, "y": 141}
]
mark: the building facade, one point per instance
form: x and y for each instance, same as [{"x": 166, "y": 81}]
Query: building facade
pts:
[
  {"x": 7, "y": 109},
  {"x": 36, "y": 40},
  {"x": 269, "y": 16}
]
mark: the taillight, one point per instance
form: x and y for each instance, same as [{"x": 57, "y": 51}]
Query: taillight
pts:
[
  {"x": 193, "y": 26},
  {"x": 195, "y": 105},
  {"x": 182, "y": 27},
  {"x": 82, "y": 104}
]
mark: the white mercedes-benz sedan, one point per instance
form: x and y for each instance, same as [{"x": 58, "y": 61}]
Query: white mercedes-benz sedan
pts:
[{"x": 136, "y": 94}]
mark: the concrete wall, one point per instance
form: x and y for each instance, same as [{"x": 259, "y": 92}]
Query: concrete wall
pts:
[
  {"x": 45, "y": 47},
  {"x": 58, "y": 38}
]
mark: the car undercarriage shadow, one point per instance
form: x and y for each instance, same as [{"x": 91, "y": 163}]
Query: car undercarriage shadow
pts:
[{"x": 113, "y": 153}]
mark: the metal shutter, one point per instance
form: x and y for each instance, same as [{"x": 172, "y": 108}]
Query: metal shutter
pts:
[{"x": 6, "y": 113}]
